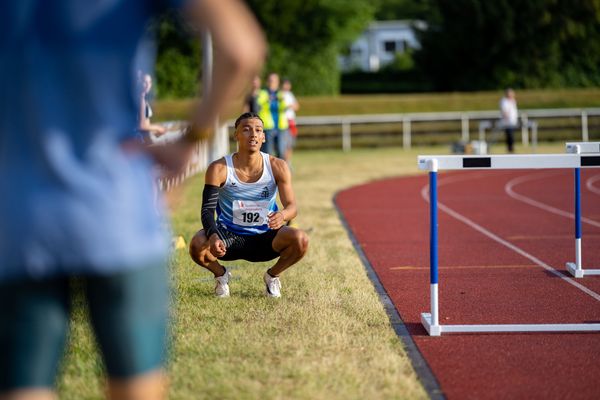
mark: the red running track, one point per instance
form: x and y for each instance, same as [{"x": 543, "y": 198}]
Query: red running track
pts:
[{"x": 482, "y": 281}]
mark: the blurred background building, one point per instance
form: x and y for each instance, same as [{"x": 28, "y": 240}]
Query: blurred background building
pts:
[{"x": 379, "y": 44}]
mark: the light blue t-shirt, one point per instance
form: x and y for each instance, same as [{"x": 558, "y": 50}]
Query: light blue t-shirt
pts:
[{"x": 72, "y": 201}]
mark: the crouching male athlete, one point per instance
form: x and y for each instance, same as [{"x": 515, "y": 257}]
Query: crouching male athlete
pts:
[{"x": 243, "y": 188}]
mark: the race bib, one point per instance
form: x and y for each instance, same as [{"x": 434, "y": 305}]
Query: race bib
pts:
[{"x": 250, "y": 213}]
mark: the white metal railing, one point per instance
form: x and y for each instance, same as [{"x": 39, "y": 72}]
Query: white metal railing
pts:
[
  {"x": 527, "y": 125},
  {"x": 465, "y": 117},
  {"x": 206, "y": 151}
]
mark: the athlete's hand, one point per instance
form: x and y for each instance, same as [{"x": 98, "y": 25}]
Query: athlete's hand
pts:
[
  {"x": 217, "y": 247},
  {"x": 276, "y": 220}
]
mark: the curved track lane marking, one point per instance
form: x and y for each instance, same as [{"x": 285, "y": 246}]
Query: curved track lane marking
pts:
[
  {"x": 589, "y": 184},
  {"x": 508, "y": 188},
  {"x": 493, "y": 236}
]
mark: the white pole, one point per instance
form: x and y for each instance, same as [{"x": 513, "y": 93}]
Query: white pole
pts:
[
  {"x": 218, "y": 148},
  {"x": 406, "y": 134},
  {"x": 534, "y": 137},
  {"x": 483, "y": 125},
  {"x": 435, "y": 319},
  {"x": 346, "y": 141},
  {"x": 207, "y": 62},
  {"x": 464, "y": 119},
  {"x": 578, "y": 254},
  {"x": 524, "y": 130},
  {"x": 584, "y": 127}
]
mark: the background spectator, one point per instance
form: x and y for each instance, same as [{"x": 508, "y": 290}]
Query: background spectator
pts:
[
  {"x": 147, "y": 129},
  {"x": 251, "y": 100},
  {"x": 290, "y": 113},
  {"x": 509, "y": 117},
  {"x": 272, "y": 108}
]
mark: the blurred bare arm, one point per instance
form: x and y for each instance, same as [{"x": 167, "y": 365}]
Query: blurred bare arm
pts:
[{"x": 239, "y": 52}]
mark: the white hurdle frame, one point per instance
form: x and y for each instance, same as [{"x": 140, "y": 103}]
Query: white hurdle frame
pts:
[
  {"x": 575, "y": 268},
  {"x": 520, "y": 161}
]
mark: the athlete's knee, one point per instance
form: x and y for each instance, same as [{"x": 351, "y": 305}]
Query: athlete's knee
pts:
[
  {"x": 301, "y": 241},
  {"x": 198, "y": 249}
]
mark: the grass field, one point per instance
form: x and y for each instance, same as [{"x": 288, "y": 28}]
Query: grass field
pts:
[
  {"x": 328, "y": 337},
  {"x": 404, "y": 103}
]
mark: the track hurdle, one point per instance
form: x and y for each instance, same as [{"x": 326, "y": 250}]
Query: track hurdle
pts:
[
  {"x": 575, "y": 268},
  {"x": 520, "y": 161}
]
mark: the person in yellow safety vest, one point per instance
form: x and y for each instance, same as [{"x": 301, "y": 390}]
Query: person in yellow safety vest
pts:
[{"x": 272, "y": 108}]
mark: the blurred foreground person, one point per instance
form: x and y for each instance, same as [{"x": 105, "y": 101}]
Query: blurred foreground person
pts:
[{"x": 76, "y": 183}]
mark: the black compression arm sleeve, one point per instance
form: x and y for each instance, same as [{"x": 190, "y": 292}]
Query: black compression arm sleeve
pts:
[{"x": 210, "y": 196}]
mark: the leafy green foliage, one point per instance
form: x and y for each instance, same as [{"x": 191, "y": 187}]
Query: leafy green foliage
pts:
[
  {"x": 401, "y": 9},
  {"x": 479, "y": 44},
  {"x": 311, "y": 72},
  {"x": 178, "y": 63},
  {"x": 468, "y": 44},
  {"x": 402, "y": 62},
  {"x": 305, "y": 37}
]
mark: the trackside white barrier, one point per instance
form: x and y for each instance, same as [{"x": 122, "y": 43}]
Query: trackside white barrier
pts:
[
  {"x": 520, "y": 161},
  {"x": 408, "y": 120},
  {"x": 575, "y": 268},
  {"x": 205, "y": 152}
]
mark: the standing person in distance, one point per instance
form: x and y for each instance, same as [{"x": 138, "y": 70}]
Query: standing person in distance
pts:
[
  {"x": 147, "y": 129},
  {"x": 76, "y": 183},
  {"x": 290, "y": 112},
  {"x": 251, "y": 100},
  {"x": 509, "y": 117},
  {"x": 242, "y": 187},
  {"x": 272, "y": 108}
]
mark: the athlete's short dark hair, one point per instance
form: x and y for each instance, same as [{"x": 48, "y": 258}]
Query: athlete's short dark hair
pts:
[{"x": 247, "y": 115}]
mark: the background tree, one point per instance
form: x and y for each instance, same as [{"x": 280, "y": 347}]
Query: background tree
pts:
[
  {"x": 480, "y": 44},
  {"x": 306, "y": 36},
  {"x": 401, "y": 9},
  {"x": 178, "y": 63},
  {"x": 468, "y": 44}
]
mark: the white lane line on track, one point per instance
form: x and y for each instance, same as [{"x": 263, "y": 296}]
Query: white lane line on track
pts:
[
  {"x": 496, "y": 238},
  {"x": 508, "y": 188},
  {"x": 590, "y": 184}
]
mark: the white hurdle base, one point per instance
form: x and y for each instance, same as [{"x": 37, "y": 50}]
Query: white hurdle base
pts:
[
  {"x": 437, "y": 330},
  {"x": 579, "y": 272}
]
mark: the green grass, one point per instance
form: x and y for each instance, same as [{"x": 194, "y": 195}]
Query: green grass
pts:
[
  {"x": 404, "y": 103},
  {"x": 328, "y": 337}
]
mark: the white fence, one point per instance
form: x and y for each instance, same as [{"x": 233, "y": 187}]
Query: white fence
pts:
[
  {"x": 206, "y": 151},
  {"x": 465, "y": 117}
]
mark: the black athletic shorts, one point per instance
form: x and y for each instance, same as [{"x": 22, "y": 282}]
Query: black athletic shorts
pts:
[{"x": 252, "y": 248}]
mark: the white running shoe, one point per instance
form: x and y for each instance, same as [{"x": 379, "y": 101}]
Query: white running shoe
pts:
[
  {"x": 273, "y": 285},
  {"x": 222, "y": 284}
]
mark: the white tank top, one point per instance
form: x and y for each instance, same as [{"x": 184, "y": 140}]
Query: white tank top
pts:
[{"x": 243, "y": 207}]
